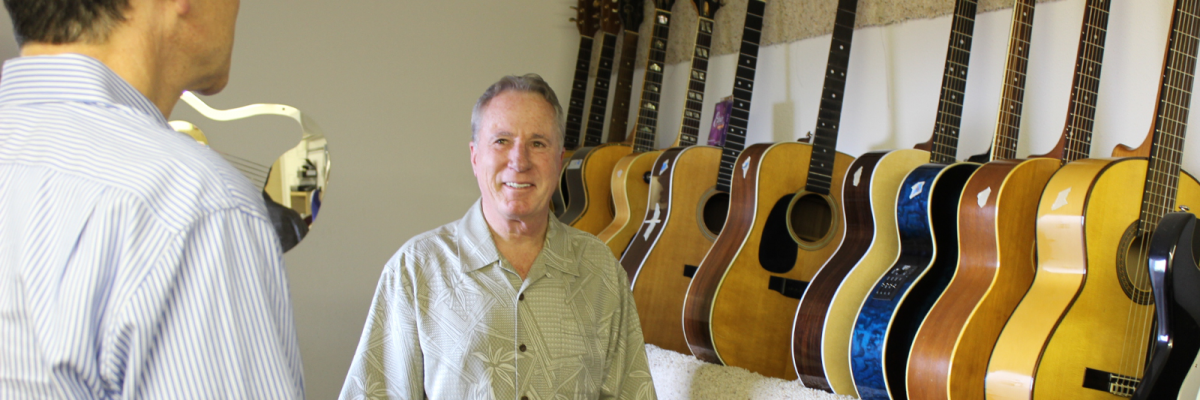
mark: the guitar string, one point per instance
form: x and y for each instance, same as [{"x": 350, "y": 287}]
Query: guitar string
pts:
[{"x": 1160, "y": 168}]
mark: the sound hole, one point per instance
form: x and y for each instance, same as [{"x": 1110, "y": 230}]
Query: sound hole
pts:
[
  {"x": 811, "y": 218},
  {"x": 776, "y": 249},
  {"x": 712, "y": 213},
  {"x": 1132, "y": 270}
]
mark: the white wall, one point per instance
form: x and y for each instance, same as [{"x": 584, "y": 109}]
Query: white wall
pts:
[{"x": 392, "y": 83}]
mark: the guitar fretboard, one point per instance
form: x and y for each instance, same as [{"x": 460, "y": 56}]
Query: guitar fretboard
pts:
[
  {"x": 647, "y": 122},
  {"x": 954, "y": 84},
  {"x": 689, "y": 130},
  {"x": 1077, "y": 135},
  {"x": 743, "y": 90},
  {"x": 618, "y": 120},
  {"x": 820, "y": 168},
  {"x": 578, "y": 93},
  {"x": 1008, "y": 123},
  {"x": 1170, "y": 125},
  {"x": 595, "y": 126}
]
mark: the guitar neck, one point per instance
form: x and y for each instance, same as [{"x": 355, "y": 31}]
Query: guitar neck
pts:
[
  {"x": 743, "y": 90},
  {"x": 820, "y": 168},
  {"x": 1008, "y": 122},
  {"x": 578, "y": 93},
  {"x": 1170, "y": 123},
  {"x": 1077, "y": 133},
  {"x": 689, "y": 130},
  {"x": 647, "y": 121},
  {"x": 595, "y": 126},
  {"x": 954, "y": 84},
  {"x": 619, "y": 120}
]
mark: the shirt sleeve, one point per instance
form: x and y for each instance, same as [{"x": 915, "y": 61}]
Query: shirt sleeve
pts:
[
  {"x": 628, "y": 375},
  {"x": 219, "y": 317},
  {"x": 388, "y": 361}
]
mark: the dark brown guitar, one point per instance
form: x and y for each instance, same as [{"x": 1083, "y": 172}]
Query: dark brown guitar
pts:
[{"x": 588, "y": 23}]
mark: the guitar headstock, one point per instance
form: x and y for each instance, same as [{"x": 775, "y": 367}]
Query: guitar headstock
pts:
[
  {"x": 707, "y": 8},
  {"x": 610, "y": 21},
  {"x": 587, "y": 18},
  {"x": 632, "y": 14},
  {"x": 664, "y": 4}
]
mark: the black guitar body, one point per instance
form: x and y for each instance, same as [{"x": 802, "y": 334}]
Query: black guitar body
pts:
[{"x": 1175, "y": 278}]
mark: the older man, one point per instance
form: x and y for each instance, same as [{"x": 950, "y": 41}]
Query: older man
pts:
[
  {"x": 507, "y": 302},
  {"x": 134, "y": 262}
]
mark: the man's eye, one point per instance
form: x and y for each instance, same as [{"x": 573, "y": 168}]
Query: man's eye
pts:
[{"x": 501, "y": 141}]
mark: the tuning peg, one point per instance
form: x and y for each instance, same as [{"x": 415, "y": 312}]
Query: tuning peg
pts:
[{"x": 572, "y": 20}]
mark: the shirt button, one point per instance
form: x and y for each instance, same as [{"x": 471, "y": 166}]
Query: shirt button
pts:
[
  {"x": 524, "y": 397},
  {"x": 522, "y": 348},
  {"x": 521, "y": 297}
]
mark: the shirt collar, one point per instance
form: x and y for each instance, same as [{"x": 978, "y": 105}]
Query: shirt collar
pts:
[
  {"x": 70, "y": 78},
  {"x": 478, "y": 250}
]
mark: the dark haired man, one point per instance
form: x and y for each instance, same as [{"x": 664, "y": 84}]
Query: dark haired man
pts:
[
  {"x": 507, "y": 302},
  {"x": 134, "y": 262}
]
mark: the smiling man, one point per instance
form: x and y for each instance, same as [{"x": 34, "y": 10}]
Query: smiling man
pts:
[{"x": 507, "y": 302}]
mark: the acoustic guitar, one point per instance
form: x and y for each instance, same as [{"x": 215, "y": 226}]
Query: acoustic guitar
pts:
[
  {"x": 996, "y": 216},
  {"x": 784, "y": 221},
  {"x": 631, "y": 15},
  {"x": 586, "y": 174},
  {"x": 1083, "y": 329},
  {"x": 1173, "y": 253},
  {"x": 684, "y": 203},
  {"x": 925, "y": 221},
  {"x": 587, "y": 21},
  {"x": 631, "y": 175}
]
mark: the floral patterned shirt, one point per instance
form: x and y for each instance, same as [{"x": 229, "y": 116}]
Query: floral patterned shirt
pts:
[{"x": 452, "y": 319}]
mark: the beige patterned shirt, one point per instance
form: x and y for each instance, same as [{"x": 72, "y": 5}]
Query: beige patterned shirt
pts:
[{"x": 452, "y": 318}]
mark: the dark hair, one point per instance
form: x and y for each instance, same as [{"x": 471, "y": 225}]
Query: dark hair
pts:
[
  {"x": 64, "y": 21},
  {"x": 532, "y": 83}
]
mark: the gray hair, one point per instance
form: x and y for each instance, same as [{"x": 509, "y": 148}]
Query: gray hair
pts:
[{"x": 530, "y": 83}]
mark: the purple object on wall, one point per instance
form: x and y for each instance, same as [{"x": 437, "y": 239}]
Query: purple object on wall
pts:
[{"x": 716, "y": 135}]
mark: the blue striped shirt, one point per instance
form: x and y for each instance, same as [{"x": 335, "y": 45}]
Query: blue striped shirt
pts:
[{"x": 134, "y": 262}]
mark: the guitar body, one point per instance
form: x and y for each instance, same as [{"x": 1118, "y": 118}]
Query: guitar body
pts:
[
  {"x": 825, "y": 318},
  {"x": 996, "y": 238},
  {"x": 1174, "y": 277},
  {"x": 757, "y": 270},
  {"x": 1076, "y": 307},
  {"x": 629, "y": 191},
  {"x": 589, "y": 180},
  {"x": 1103, "y": 318},
  {"x": 558, "y": 200},
  {"x": 672, "y": 241},
  {"x": 893, "y": 310}
]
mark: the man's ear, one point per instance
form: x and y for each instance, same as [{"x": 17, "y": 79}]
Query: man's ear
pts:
[{"x": 471, "y": 146}]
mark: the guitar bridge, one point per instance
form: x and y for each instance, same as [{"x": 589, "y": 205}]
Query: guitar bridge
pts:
[
  {"x": 787, "y": 287},
  {"x": 1117, "y": 384}
]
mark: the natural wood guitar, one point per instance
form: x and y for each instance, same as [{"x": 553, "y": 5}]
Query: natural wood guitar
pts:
[
  {"x": 784, "y": 222},
  {"x": 1083, "y": 328},
  {"x": 586, "y": 174},
  {"x": 925, "y": 221},
  {"x": 631, "y": 175},
  {"x": 687, "y": 198}
]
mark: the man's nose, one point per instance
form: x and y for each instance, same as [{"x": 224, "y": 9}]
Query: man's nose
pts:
[{"x": 518, "y": 157}]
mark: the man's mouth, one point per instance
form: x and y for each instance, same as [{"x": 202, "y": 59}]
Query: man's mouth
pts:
[{"x": 517, "y": 185}]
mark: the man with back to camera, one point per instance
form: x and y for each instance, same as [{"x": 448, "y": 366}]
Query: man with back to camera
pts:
[
  {"x": 134, "y": 261},
  {"x": 507, "y": 302}
]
